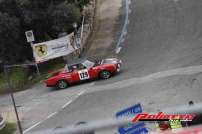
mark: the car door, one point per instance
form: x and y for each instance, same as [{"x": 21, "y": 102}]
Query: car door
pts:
[
  {"x": 80, "y": 73},
  {"x": 74, "y": 73},
  {"x": 92, "y": 72},
  {"x": 83, "y": 74}
]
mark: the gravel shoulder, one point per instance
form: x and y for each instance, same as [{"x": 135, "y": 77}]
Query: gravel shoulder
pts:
[{"x": 102, "y": 40}]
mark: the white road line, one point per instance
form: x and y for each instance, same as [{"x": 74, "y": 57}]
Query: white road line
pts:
[
  {"x": 82, "y": 92},
  {"x": 129, "y": 11},
  {"x": 69, "y": 102},
  {"x": 28, "y": 129},
  {"x": 129, "y": 2},
  {"x": 121, "y": 38},
  {"x": 66, "y": 104},
  {"x": 118, "y": 50},
  {"x": 125, "y": 33},
  {"x": 128, "y": 22},
  {"x": 51, "y": 115}
]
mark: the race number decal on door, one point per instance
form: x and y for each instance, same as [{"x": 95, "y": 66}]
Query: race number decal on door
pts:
[{"x": 83, "y": 74}]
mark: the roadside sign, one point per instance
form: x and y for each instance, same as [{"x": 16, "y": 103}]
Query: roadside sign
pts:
[
  {"x": 30, "y": 36},
  {"x": 133, "y": 128}
]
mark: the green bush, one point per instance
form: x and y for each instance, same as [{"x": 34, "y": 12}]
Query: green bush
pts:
[
  {"x": 2, "y": 82},
  {"x": 10, "y": 128},
  {"x": 18, "y": 77},
  {"x": 80, "y": 3}
]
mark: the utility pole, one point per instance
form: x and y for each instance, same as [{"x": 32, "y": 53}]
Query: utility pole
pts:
[
  {"x": 36, "y": 65},
  {"x": 30, "y": 38},
  {"x": 83, "y": 20},
  {"x": 12, "y": 97},
  {"x": 76, "y": 37}
]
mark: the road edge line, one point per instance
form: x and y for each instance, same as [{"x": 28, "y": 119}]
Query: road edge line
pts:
[
  {"x": 54, "y": 113},
  {"x": 118, "y": 46}
]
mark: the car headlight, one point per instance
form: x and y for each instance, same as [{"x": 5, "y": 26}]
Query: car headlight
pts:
[{"x": 118, "y": 67}]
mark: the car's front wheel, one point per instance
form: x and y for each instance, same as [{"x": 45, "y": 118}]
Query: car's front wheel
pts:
[
  {"x": 105, "y": 74},
  {"x": 62, "y": 84}
]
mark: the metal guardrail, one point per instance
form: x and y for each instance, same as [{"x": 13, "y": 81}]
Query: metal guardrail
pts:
[
  {"x": 112, "y": 123},
  {"x": 2, "y": 122}
]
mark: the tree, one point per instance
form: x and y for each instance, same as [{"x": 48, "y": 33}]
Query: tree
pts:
[
  {"x": 80, "y": 3},
  {"x": 63, "y": 16},
  {"x": 47, "y": 18},
  {"x": 10, "y": 7},
  {"x": 9, "y": 42},
  {"x": 35, "y": 17}
]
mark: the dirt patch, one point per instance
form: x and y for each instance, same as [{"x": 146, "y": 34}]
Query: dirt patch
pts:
[{"x": 101, "y": 41}]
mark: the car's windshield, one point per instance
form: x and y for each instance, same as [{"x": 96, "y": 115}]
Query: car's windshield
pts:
[
  {"x": 66, "y": 68},
  {"x": 88, "y": 63},
  {"x": 105, "y": 61}
]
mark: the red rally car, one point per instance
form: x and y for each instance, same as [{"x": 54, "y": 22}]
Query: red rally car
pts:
[{"x": 84, "y": 69}]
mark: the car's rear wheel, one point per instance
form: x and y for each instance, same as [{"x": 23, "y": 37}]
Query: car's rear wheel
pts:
[
  {"x": 61, "y": 84},
  {"x": 105, "y": 74}
]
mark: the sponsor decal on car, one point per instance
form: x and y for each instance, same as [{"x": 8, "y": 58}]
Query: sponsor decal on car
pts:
[{"x": 83, "y": 74}]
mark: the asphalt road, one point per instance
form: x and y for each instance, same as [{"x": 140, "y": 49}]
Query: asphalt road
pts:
[{"x": 162, "y": 35}]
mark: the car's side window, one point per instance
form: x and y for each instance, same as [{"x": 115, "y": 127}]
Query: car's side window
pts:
[{"x": 73, "y": 67}]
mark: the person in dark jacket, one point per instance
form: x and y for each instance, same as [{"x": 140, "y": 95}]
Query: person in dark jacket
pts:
[{"x": 197, "y": 119}]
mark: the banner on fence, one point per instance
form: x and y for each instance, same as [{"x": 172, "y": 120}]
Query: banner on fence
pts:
[{"x": 55, "y": 48}]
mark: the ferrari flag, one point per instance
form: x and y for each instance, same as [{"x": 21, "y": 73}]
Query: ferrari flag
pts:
[{"x": 55, "y": 48}]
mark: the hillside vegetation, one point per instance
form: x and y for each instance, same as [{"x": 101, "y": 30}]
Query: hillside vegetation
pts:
[{"x": 47, "y": 18}]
